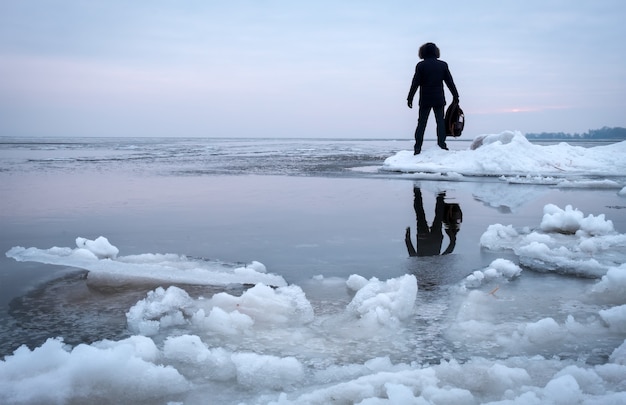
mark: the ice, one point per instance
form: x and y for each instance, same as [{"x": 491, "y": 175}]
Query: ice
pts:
[
  {"x": 572, "y": 221},
  {"x": 510, "y": 157},
  {"x": 54, "y": 373},
  {"x": 543, "y": 331},
  {"x": 223, "y": 314},
  {"x": 267, "y": 342},
  {"x": 99, "y": 247},
  {"x": 195, "y": 359},
  {"x": 615, "y": 317},
  {"x": 612, "y": 286},
  {"x": 222, "y": 322},
  {"x": 263, "y": 304},
  {"x": 488, "y": 298},
  {"x": 100, "y": 258},
  {"x": 562, "y": 390},
  {"x": 565, "y": 241},
  {"x": 477, "y": 381},
  {"x": 160, "y": 309},
  {"x": 382, "y": 303},
  {"x": 254, "y": 370},
  {"x": 173, "y": 349},
  {"x": 259, "y": 306},
  {"x": 500, "y": 269},
  {"x": 619, "y": 355},
  {"x": 250, "y": 370}
]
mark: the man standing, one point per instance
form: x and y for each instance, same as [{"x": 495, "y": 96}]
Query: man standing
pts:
[{"x": 430, "y": 74}]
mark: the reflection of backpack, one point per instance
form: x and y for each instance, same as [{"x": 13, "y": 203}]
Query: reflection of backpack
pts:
[
  {"x": 452, "y": 215},
  {"x": 455, "y": 120}
]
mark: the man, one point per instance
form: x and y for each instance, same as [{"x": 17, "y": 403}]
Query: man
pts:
[{"x": 430, "y": 74}]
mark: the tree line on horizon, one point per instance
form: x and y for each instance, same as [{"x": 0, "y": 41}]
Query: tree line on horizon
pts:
[{"x": 604, "y": 133}]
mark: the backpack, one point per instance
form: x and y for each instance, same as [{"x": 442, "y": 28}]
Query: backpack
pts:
[{"x": 455, "y": 120}]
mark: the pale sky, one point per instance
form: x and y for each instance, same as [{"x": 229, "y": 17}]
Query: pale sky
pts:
[{"x": 280, "y": 68}]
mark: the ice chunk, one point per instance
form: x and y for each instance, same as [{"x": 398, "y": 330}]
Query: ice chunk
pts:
[
  {"x": 563, "y": 390},
  {"x": 619, "y": 355},
  {"x": 587, "y": 379},
  {"x": 356, "y": 282},
  {"x": 190, "y": 354},
  {"x": 499, "y": 236},
  {"x": 612, "y": 287},
  {"x": 160, "y": 309},
  {"x": 543, "y": 331},
  {"x": 55, "y": 373},
  {"x": 261, "y": 304},
  {"x": 499, "y": 269},
  {"x": 99, "y": 247},
  {"x": 222, "y": 322},
  {"x": 384, "y": 302},
  {"x": 615, "y": 317},
  {"x": 570, "y": 221}
]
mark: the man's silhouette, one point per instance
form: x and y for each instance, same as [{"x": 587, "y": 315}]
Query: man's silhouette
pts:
[
  {"x": 430, "y": 239},
  {"x": 430, "y": 75}
]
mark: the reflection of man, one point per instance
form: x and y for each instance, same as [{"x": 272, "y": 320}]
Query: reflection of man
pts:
[{"x": 430, "y": 239}]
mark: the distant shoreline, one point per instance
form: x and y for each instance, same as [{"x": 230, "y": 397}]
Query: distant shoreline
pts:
[{"x": 603, "y": 134}]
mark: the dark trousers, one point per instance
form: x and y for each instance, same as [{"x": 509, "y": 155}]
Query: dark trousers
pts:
[{"x": 422, "y": 120}]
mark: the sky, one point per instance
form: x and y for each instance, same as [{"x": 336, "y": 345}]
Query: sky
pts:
[{"x": 279, "y": 68}]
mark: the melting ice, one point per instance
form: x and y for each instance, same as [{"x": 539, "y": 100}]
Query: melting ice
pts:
[
  {"x": 276, "y": 343},
  {"x": 271, "y": 342}
]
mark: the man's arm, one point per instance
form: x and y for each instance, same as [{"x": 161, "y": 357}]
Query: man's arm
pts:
[
  {"x": 450, "y": 83},
  {"x": 414, "y": 85}
]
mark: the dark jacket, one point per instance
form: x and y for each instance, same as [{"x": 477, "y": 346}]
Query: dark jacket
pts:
[{"x": 430, "y": 74}]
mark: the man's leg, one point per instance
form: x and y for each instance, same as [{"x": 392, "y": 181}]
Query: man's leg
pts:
[
  {"x": 422, "y": 120},
  {"x": 441, "y": 127}
]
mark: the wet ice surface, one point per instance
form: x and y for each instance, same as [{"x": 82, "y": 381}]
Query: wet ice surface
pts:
[
  {"x": 355, "y": 321},
  {"x": 197, "y": 156}
]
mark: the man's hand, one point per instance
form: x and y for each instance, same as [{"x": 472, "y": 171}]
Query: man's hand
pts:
[{"x": 409, "y": 103}]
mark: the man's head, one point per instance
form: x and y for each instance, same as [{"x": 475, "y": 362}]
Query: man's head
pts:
[{"x": 428, "y": 50}]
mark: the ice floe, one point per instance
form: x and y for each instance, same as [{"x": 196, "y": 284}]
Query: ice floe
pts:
[{"x": 510, "y": 157}]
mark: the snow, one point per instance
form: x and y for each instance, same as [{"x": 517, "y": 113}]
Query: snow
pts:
[{"x": 510, "y": 157}]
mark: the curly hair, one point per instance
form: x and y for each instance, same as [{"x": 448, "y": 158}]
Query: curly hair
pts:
[{"x": 429, "y": 50}]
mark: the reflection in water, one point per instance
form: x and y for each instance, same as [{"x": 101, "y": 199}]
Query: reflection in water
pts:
[{"x": 448, "y": 216}]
